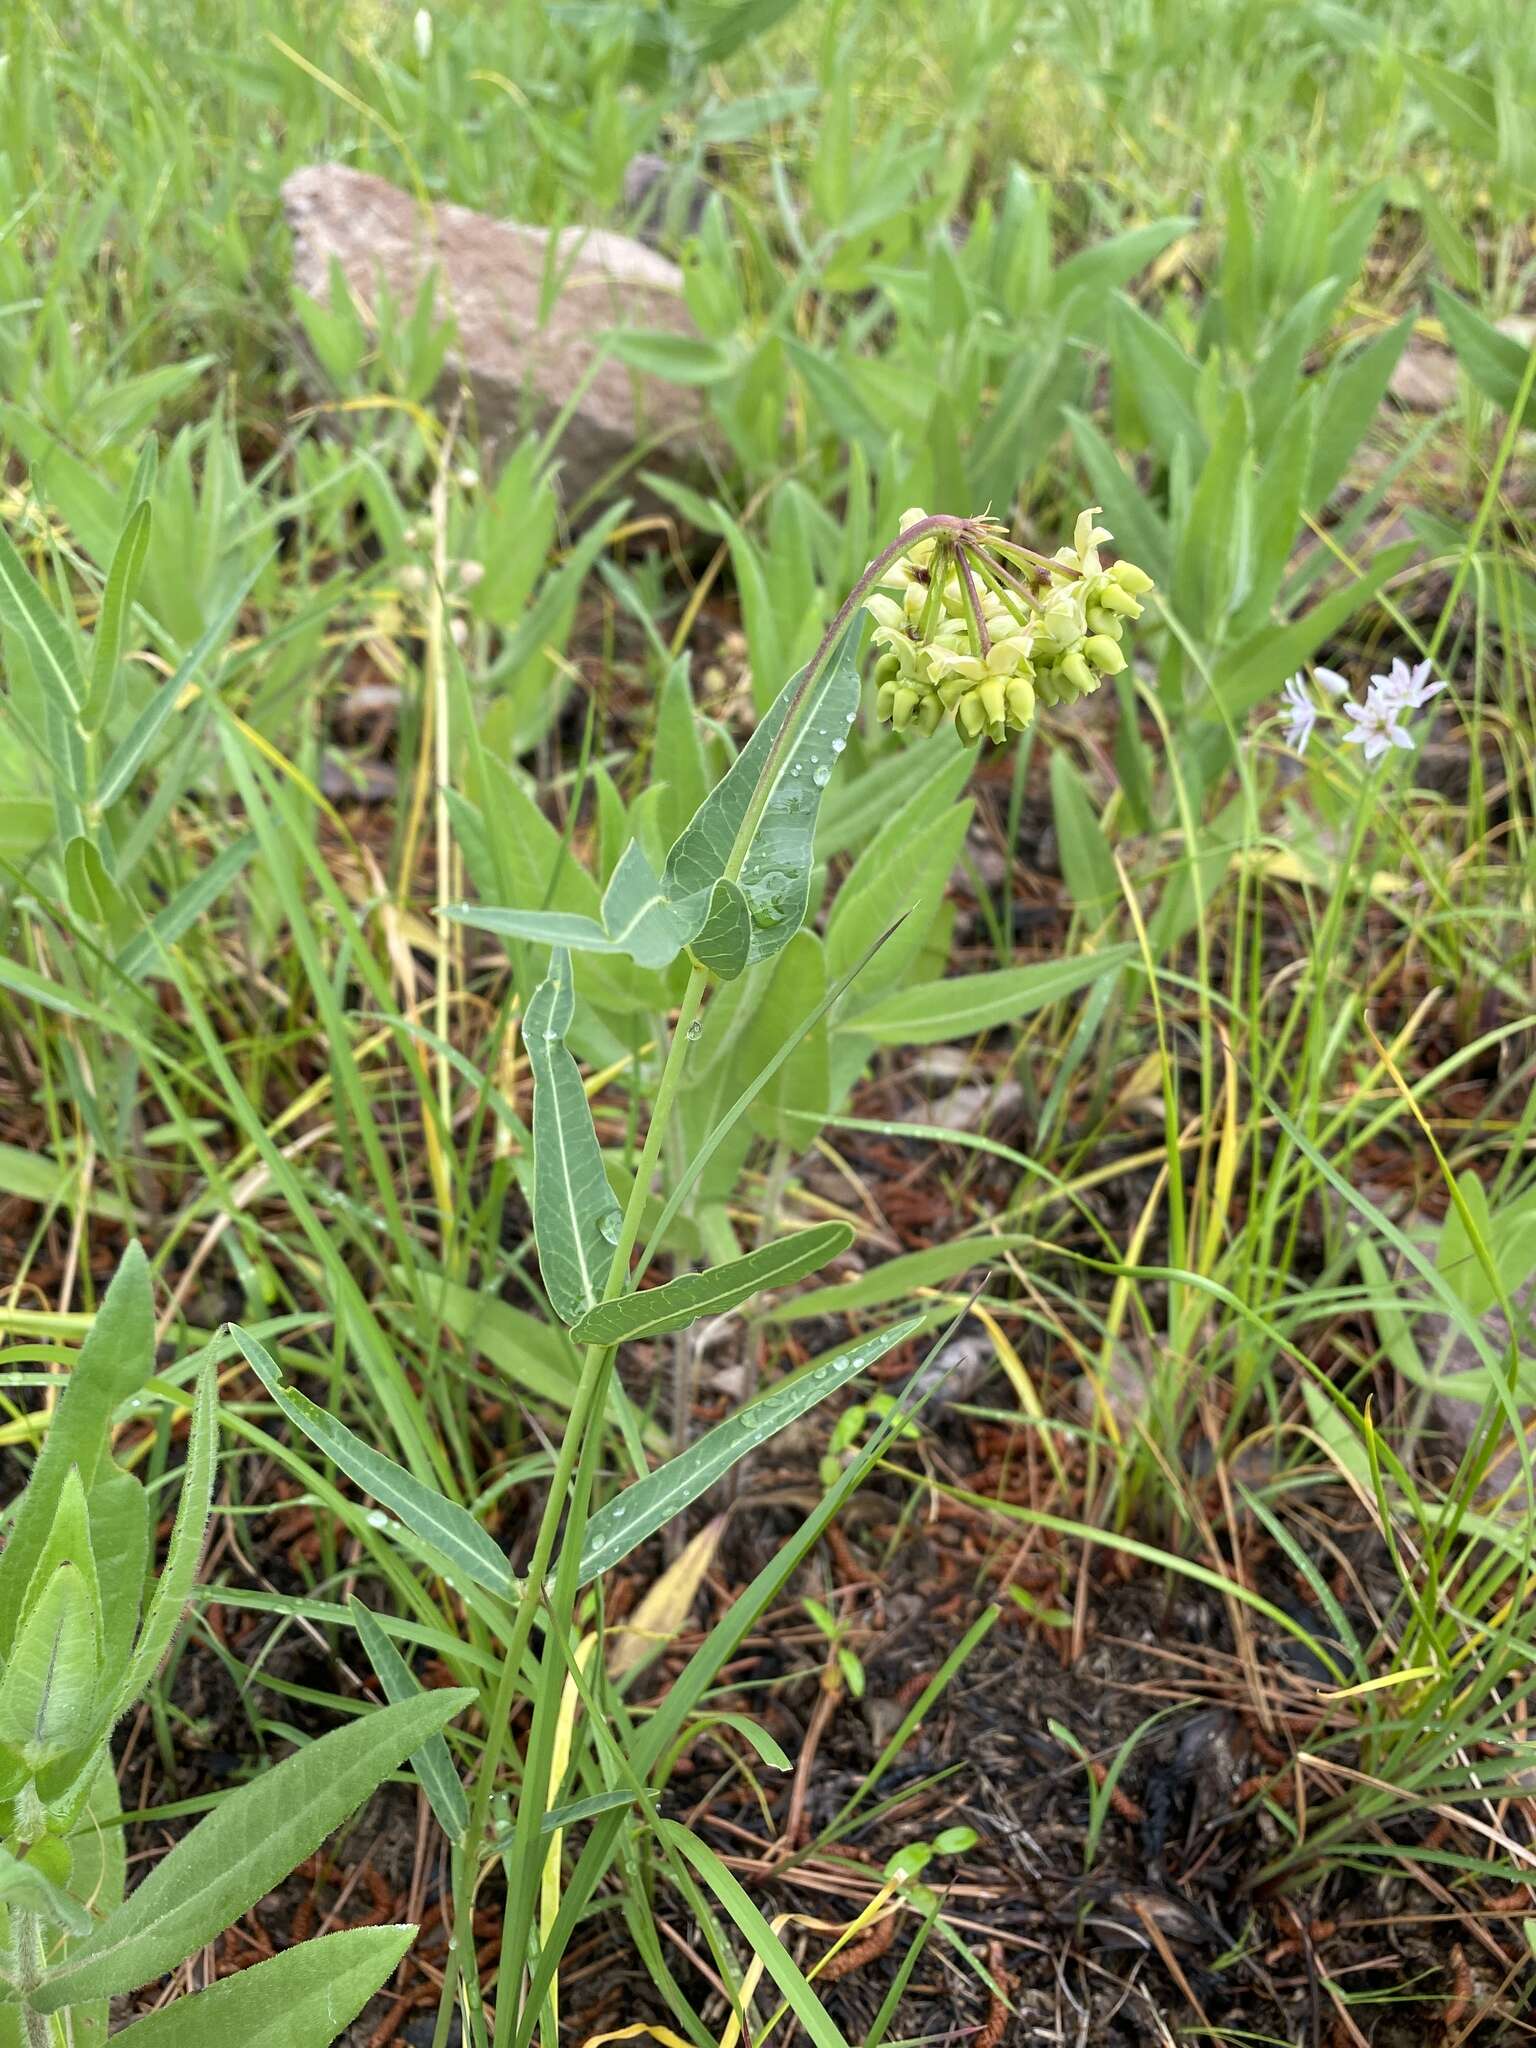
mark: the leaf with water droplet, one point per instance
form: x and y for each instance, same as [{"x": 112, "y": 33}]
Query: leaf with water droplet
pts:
[
  {"x": 649, "y": 1503},
  {"x": 783, "y": 842},
  {"x": 691, "y": 1296},
  {"x": 571, "y": 1196},
  {"x": 722, "y": 941}
]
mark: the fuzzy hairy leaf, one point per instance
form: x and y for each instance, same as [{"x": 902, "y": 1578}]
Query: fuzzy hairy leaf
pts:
[
  {"x": 648, "y": 1504},
  {"x": 248, "y": 1844},
  {"x": 575, "y": 1215},
  {"x": 113, "y": 1363},
  {"x": 302, "y": 1998},
  {"x": 692, "y": 1296}
]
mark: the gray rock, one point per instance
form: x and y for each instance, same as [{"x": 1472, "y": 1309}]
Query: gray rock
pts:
[{"x": 518, "y": 371}]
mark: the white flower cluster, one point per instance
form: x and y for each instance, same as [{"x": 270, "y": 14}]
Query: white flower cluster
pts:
[
  {"x": 1376, "y": 725},
  {"x": 965, "y": 639}
]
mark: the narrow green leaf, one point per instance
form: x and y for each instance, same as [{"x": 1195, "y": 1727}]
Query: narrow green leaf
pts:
[
  {"x": 1349, "y": 403},
  {"x": 433, "y": 1762},
  {"x": 649, "y": 1503},
  {"x": 124, "y": 764},
  {"x": 724, "y": 940},
  {"x": 1086, "y": 858},
  {"x": 248, "y": 1844},
  {"x": 142, "y": 954},
  {"x": 761, "y": 1939},
  {"x": 575, "y": 1214},
  {"x": 185, "y": 1549},
  {"x": 23, "y": 1884},
  {"x": 969, "y": 1003},
  {"x": 775, "y": 873},
  {"x": 41, "y": 631},
  {"x": 114, "y": 1361},
  {"x": 564, "y": 928},
  {"x": 692, "y": 1296},
  {"x": 450, "y": 1529},
  {"x": 116, "y": 600},
  {"x": 303, "y": 1998}
]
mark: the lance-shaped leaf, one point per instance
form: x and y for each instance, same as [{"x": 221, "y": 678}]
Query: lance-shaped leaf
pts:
[
  {"x": 114, "y": 1361},
  {"x": 41, "y": 631},
  {"x": 302, "y": 1998},
  {"x": 775, "y": 873},
  {"x": 693, "y": 1295},
  {"x": 248, "y": 1844},
  {"x": 116, "y": 599},
  {"x": 648, "y": 1504},
  {"x": 451, "y": 1530},
  {"x": 968, "y": 1003},
  {"x": 724, "y": 940},
  {"x": 186, "y": 1545},
  {"x": 433, "y": 1762},
  {"x": 49, "y": 1687},
  {"x": 575, "y": 1214}
]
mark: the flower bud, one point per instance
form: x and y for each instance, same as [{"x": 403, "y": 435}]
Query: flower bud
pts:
[
  {"x": 1112, "y": 596},
  {"x": 1019, "y": 696},
  {"x": 1075, "y": 670},
  {"x": 1131, "y": 579},
  {"x": 1104, "y": 654},
  {"x": 903, "y": 706}
]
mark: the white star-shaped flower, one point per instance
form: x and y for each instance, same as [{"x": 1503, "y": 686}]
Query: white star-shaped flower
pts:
[
  {"x": 1375, "y": 727},
  {"x": 1302, "y": 713},
  {"x": 1408, "y": 689}
]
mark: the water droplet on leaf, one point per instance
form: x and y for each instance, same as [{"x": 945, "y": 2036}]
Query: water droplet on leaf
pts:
[{"x": 822, "y": 775}]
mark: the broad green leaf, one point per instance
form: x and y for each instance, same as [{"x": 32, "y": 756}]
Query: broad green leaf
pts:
[
  {"x": 790, "y": 1013},
  {"x": 116, "y": 600},
  {"x": 186, "y": 1545},
  {"x": 248, "y": 1844},
  {"x": 433, "y": 1762},
  {"x": 1105, "y": 266},
  {"x": 1208, "y": 568},
  {"x": 761, "y": 1939},
  {"x": 1086, "y": 858},
  {"x": 968, "y": 1003},
  {"x": 303, "y": 1998},
  {"x": 575, "y": 1214},
  {"x": 25, "y": 610},
  {"x": 676, "y": 357},
  {"x": 724, "y": 941},
  {"x": 1350, "y": 398},
  {"x": 649, "y": 1504},
  {"x": 775, "y": 872},
  {"x": 1161, "y": 380},
  {"x": 48, "y": 1691},
  {"x": 114, "y": 1361},
  {"x": 1464, "y": 106},
  {"x": 1140, "y": 532},
  {"x": 23, "y": 1884},
  {"x": 450, "y": 1529},
  {"x": 1496, "y": 363},
  {"x": 691, "y": 1296}
]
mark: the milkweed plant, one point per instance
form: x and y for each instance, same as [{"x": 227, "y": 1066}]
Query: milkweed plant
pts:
[{"x": 969, "y": 628}]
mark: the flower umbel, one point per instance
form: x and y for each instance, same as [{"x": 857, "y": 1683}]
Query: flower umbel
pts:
[{"x": 980, "y": 630}]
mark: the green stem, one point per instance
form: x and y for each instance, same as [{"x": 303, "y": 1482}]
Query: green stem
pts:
[{"x": 581, "y": 1426}]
